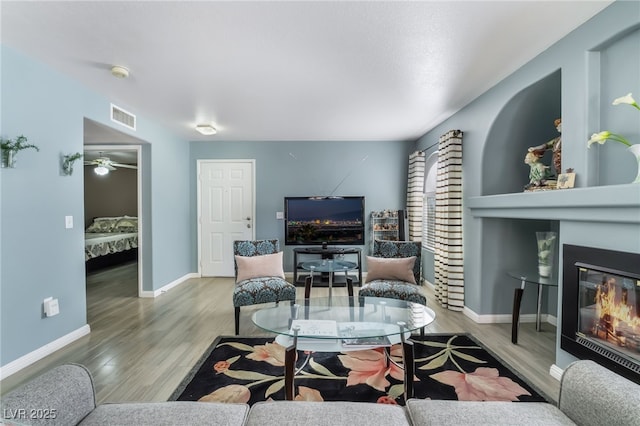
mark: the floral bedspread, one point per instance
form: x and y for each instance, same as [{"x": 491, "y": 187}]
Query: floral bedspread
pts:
[{"x": 101, "y": 244}]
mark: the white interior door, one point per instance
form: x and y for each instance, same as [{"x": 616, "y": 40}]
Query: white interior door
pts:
[{"x": 226, "y": 199}]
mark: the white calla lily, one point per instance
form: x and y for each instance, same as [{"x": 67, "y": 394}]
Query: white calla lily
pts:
[{"x": 602, "y": 137}]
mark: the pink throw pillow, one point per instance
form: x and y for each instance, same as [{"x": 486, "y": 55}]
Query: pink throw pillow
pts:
[
  {"x": 393, "y": 269},
  {"x": 266, "y": 265}
]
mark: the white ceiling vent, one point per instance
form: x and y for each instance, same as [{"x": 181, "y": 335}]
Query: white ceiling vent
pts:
[{"x": 123, "y": 117}]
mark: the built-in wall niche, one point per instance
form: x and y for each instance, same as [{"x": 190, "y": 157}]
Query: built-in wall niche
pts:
[
  {"x": 511, "y": 245},
  {"x": 613, "y": 68},
  {"x": 526, "y": 120}
]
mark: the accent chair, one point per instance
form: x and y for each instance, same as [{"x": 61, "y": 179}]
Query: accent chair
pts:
[
  {"x": 391, "y": 285},
  {"x": 259, "y": 275},
  {"x": 391, "y": 273}
]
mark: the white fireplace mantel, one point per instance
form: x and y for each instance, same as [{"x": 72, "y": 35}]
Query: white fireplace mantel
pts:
[{"x": 612, "y": 204}]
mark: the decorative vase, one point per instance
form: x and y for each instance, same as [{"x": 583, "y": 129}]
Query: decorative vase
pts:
[
  {"x": 546, "y": 246},
  {"x": 635, "y": 150},
  {"x": 67, "y": 167},
  {"x": 8, "y": 158}
]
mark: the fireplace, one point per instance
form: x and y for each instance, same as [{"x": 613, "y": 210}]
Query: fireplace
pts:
[{"x": 601, "y": 308}]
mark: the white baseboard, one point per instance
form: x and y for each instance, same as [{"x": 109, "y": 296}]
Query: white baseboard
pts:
[
  {"x": 28, "y": 359},
  {"x": 172, "y": 284}
]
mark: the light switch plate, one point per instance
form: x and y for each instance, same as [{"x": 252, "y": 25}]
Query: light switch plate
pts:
[
  {"x": 68, "y": 222},
  {"x": 279, "y": 215}
]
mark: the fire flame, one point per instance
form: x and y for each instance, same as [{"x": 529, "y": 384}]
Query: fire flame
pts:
[{"x": 612, "y": 308}]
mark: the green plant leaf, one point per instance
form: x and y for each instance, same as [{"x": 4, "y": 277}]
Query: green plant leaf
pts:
[
  {"x": 435, "y": 363},
  {"x": 237, "y": 345},
  {"x": 468, "y": 357},
  {"x": 233, "y": 359},
  {"x": 320, "y": 368},
  {"x": 432, "y": 344},
  {"x": 395, "y": 391},
  {"x": 247, "y": 375},
  {"x": 275, "y": 387}
]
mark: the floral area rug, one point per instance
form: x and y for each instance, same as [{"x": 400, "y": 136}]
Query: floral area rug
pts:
[{"x": 452, "y": 367}]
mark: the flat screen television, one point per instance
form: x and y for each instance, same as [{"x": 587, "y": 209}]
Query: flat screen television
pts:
[{"x": 324, "y": 220}]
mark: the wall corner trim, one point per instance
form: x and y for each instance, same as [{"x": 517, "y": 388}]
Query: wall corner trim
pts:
[{"x": 172, "y": 284}]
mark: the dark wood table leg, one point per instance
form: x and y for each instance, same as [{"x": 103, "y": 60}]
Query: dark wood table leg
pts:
[
  {"x": 289, "y": 371},
  {"x": 408, "y": 362},
  {"x": 515, "y": 316},
  {"x": 409, "y": 368},
  {"x": 349, "y": 286}
]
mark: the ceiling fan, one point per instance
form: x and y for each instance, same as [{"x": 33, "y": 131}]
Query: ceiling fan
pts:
[{"x": 104, "y": 165}]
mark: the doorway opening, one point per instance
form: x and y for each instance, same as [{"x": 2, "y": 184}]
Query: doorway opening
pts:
[{"x": 113, "y": 210}]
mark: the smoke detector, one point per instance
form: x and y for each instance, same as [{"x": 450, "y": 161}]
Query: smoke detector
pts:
[{"x": 119, "y": 71}]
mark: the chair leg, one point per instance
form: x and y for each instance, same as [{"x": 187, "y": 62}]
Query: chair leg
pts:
[{"x": 237, "y": 320}]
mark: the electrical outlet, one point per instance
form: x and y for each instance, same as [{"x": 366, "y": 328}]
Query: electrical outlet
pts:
[{"x": 51, "y": 307}]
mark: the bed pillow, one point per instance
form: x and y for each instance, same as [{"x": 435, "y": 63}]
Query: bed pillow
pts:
[
  {"x": 267, "y": 265},
  {"x": 102, "y": 224},
  {"x": 392, "y": 269},
  {"x": 126, "y": 224}
]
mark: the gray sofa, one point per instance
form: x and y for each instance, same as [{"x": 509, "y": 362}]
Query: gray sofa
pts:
[{"x": 589, "y": 395}]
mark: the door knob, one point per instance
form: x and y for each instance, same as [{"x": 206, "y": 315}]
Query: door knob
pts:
[
  {"x": 248, "y": 218},
  {"x": 248, "y": 225}
]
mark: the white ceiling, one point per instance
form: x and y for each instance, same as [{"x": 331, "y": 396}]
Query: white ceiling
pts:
[{"x": 308, "y": 70}]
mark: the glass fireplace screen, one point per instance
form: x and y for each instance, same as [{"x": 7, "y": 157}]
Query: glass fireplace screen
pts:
[{"x": 608, "y": 306}]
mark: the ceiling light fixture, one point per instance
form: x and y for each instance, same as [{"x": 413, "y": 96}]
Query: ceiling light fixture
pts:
[
  {"x": 101, "y": 170},
  {"x": 119, "y": 71},
  {"x": 206, "y": 129}
]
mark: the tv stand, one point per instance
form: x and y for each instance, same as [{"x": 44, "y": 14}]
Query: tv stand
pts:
[{"x": 325, "y": 252}]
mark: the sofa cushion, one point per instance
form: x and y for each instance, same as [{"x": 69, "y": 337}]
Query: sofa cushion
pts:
[
  {"x": 432, "y": 412},
  {"x": 325, "y": 413},
  {"x": 590, "y": 394},
  {"x": 393, "y": 290},
  {"x": 63, "y": 395},
  {"x": 396, "y": 269},
  {"x": 168, "y": 413}
]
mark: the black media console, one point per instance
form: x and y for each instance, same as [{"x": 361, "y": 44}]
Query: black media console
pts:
[{"x": 304, "y": 254}]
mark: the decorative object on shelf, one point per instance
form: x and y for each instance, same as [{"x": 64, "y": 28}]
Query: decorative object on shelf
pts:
[
  {"x": 555, "y": 145},
  {"x": 10, "y": 149},
  {"x": 566, "y": 180},
  {"x": 546, "y": 248},
  {"x": 540, "y": 175},
  {"x": 604, "y": 136},
  {"x": 67, "y": 163},
  {"x": 387, "y": 225}
]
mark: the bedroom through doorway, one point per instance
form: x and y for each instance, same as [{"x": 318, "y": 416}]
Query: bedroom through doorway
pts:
[{"x": 112, "y": 204}]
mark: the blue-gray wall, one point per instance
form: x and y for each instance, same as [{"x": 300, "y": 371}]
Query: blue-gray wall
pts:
[
  {"x": 576, "y": 79},
  {"x": 377, "y": 170},
  {"x": 40, "y": 258}
]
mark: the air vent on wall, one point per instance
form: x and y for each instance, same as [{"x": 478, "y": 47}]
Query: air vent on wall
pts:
[{"x": 123, "y": 117}]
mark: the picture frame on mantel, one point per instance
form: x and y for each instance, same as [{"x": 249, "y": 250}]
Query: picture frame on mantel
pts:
[{"x": 566, "y": 180}]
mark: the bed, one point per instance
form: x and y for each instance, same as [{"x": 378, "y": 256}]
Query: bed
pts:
[{"x": 110, "y": 240}]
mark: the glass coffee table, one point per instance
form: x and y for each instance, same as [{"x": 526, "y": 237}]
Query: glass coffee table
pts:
[
  {"x": 344, "y": 324},
  {"x": 329, "y": 266}
]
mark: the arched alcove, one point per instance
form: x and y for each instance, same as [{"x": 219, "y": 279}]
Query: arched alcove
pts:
[{"x": 526, "y": 120}]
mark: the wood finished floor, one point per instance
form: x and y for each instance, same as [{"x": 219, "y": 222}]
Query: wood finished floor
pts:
[{"x": 139, "y": 349}]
